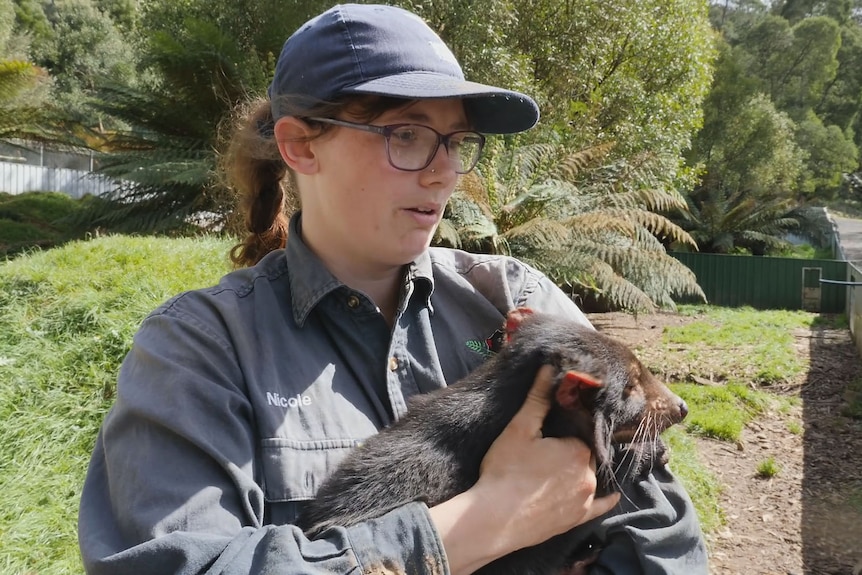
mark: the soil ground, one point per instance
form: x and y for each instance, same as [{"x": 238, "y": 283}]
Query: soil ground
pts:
[{"x": 807, "y": 519}]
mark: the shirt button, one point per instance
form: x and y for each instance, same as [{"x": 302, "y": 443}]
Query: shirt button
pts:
[
  {"x": 393, "y": 363},
  {"x": 353, "y": 302}
]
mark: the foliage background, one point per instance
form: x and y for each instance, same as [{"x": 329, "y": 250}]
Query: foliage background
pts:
[
  {"x": 722, "y": 119},
  {"x": 666, "y": 124},
  {"x": 622, "y": 76}
]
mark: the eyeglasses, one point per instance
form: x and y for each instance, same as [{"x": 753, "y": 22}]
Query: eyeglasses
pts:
[{"x": 412, "y": 147}]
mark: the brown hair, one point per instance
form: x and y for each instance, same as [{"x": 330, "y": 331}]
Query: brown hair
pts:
[{"x": 254, "y": 168}]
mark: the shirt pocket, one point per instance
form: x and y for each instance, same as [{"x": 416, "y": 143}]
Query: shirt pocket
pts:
[{"x": 294, "y": 470}]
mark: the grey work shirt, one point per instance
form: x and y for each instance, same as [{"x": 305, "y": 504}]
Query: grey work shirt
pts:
[{"x": 236, "y": 401}]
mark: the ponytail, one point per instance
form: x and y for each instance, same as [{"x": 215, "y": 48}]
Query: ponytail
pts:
[{"x": 255, "y": 169}]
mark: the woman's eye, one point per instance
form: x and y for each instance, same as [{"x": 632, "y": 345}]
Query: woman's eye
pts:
[{"x": 404, "y": 136}]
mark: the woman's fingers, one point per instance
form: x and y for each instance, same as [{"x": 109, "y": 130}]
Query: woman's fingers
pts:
[
  {"x": 530, "y": 418},
  {"x": 547, "y": 483},
  {"x": 527, "y": 422}
]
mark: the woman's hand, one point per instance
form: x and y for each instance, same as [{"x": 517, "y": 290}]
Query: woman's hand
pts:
[{"x": 530, "y": 489}]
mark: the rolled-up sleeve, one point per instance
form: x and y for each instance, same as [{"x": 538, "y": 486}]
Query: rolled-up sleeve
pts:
[{"x": 402, "y": 541}]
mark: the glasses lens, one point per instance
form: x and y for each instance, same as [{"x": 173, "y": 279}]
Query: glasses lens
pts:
[
  {"x": 464, "y": 150},
  {"x": 412, "y": 147}
]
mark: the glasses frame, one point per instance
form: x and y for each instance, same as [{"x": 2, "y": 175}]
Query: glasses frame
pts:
[{"x": 388, "y": 130}]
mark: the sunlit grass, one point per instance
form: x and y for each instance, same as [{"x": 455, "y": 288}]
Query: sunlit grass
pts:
[
  {"x": 702, "y": 486},
  {"x": 721, "y": 411},
  {"x": 67, "y": 317},
  {"x": 795, "y": 427},
  {"x": 768, "y": 468},
  {"x": 738, "y": 344}
]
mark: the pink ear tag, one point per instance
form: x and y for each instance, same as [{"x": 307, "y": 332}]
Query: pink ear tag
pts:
[{"x": 514, "y": 319}]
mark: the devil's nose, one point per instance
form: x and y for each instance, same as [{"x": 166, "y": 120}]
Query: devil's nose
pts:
[{"x": 683, "y": 409}]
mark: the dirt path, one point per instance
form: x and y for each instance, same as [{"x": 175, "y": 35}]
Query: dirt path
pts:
[{"x": 808, "y": 518}]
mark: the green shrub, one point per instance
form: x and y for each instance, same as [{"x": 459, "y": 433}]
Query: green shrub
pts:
[{"x": 34, "y": 219}]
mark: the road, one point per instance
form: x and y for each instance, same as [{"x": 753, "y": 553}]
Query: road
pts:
[{"x": 849, "y": 239}]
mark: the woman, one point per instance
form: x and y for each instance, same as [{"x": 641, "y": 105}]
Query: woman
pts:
[{"x": 236, "y": 401}]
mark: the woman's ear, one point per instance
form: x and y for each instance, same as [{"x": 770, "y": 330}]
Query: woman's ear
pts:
[{"x": 293, "y": 136}]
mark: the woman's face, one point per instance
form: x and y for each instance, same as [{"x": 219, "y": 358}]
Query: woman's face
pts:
[{"x": 359, "y": 211}]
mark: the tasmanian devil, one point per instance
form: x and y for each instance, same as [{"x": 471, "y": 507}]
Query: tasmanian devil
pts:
[{"x": 602, "y": 395}]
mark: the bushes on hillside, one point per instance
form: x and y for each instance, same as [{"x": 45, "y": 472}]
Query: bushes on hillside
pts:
[{"x": 34, "y": 219}]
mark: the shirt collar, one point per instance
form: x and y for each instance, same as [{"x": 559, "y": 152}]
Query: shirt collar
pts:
[
  {"x": 311, "y": 281},
  {"x": 421, "y": 276}
]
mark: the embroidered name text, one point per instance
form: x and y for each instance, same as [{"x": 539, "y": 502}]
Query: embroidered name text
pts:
[{"x": 292, "y": 401}]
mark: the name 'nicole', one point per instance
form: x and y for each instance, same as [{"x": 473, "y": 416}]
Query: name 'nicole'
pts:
[{"x": 292, "y": 401}]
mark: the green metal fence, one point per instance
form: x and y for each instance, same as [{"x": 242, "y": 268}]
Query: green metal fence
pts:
[{"x": 769, "y": 283}]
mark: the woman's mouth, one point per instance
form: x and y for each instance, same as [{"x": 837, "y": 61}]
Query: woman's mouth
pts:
[{"x": 424, "y": 215}]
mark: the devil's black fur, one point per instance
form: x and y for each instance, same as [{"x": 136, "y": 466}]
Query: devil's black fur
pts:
[{"x": 434, "y": 452}]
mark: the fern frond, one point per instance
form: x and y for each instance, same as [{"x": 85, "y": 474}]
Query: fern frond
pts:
[
  {"x": 655, "y": 273},
  {"x": 539, "y": 232},
  {"x": 656, "y": 224},
  {"x": 591, "y": 224},
  {"x": 470, "y": 188},
  {"x": 587, "y": 225},
  {"x": 447, "y": 235},
  {"x": 573, "y": 164},
  {"x": 518, "y": 169},
  {"x": 603, "y": 280}
]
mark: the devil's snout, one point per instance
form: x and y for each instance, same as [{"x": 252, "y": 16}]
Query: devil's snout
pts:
[{"x": 683, "y": 409}]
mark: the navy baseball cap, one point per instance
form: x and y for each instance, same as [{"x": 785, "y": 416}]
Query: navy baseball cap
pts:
[{"x": 388, "y": 51}]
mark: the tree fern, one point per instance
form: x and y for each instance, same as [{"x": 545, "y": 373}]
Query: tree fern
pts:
[
  {"x": 166, "y": 157},
  {"x": 722, "y": 221},
  {"x": 590, "y": 223}
]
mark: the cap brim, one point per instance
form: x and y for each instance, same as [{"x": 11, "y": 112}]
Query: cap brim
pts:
[{"x": 491, "y": 110}]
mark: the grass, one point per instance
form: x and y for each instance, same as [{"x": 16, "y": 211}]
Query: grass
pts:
[
  {"x": 701, "y": 485},
  {"x": 721, "y": 411},
  {"x": 36, "y": 206},
  {"x": 67, "y": 317},
  {"x": 739, "y": 344},
  {"x": 794, "y": 427},
  {"x": 768, "y": 468},
  {"x": 743, "y": 352}
]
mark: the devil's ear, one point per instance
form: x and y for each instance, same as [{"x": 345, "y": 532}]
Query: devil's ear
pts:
[
  {"x": 570, "y": 387},
  {"x": 514, "y": 319}
]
